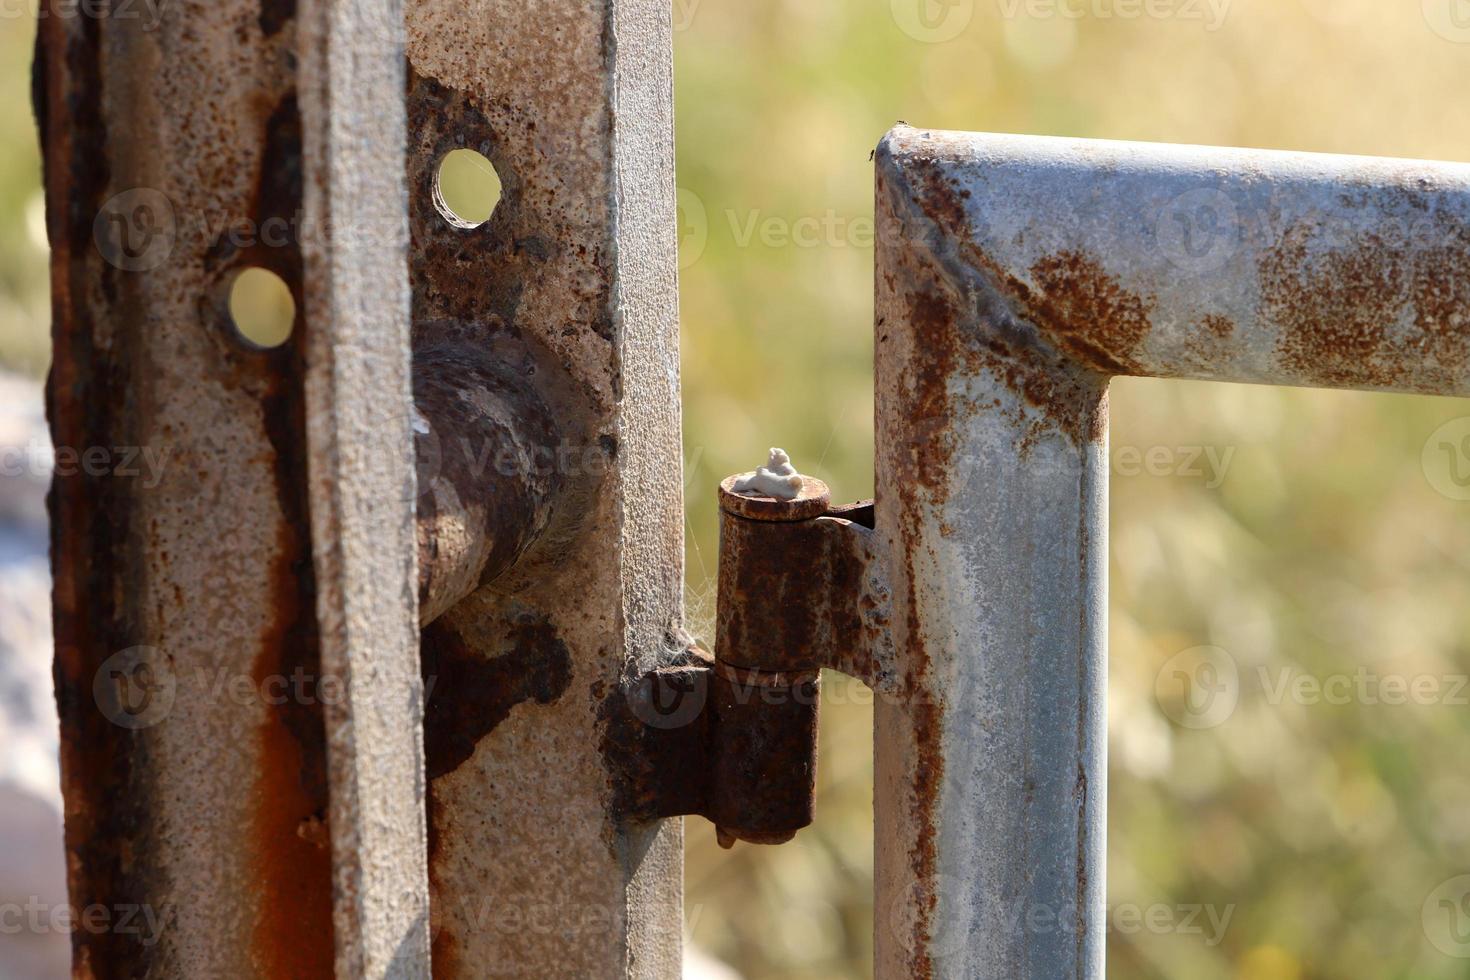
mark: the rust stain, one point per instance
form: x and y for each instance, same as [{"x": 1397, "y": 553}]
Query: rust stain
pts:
[
  {"x": 1067, "y": 395},
  {"x": 1054, "y": 371},
  {"x": 763, "y": 756},
  {"x": 293, "y": 931},
  {"x": 933, "y": 352},
  {"x": 936, "y": 357},
  {"x": 469, "y": 694},
  {"x": 1342, "y": 308},
  {"x": 1089, "y": 313},
  {"x": 90, "y": 401},
  {"x": 928, "y": 769},
  {"x": 1335, "y": 310},
  {"x": 1083, "y": 309},
  {"x": 658, "y": 770},
  {"x": 1218, "y": 326},
  {"x": 276, "y": 204},
  {"x": 443, "y": 949}
]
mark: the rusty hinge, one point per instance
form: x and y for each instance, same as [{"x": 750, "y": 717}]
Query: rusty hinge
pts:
[{"x": 733, "y": 736}]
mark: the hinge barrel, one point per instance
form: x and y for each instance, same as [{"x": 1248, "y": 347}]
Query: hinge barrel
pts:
[{"x": 733, "y": 737}]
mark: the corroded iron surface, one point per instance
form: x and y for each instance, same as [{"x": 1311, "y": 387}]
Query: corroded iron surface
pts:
[
  {"x": 1199, "y": 262},
  {"x": 206, "y": 617},
  {"x": 538, "y": 865}
]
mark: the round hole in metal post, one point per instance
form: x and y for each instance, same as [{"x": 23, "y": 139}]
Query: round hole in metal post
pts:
[
  {"x": 467, "y": 188},
  {"x": 261, "y": 308}
]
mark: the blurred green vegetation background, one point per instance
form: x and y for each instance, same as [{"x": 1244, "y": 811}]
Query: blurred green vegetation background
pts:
[
  {"x": 1295, "y": 531},
  {"x": 1323, "y": 547}
]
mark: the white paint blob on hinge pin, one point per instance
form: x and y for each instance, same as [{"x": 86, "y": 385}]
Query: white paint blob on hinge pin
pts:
[{"x": 778, "y": 478}]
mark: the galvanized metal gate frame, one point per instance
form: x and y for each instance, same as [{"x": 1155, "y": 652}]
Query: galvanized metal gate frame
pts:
[{"x": 1015, "y": 277}]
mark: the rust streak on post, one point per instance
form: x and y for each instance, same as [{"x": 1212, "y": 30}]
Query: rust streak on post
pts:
[{"x": 203, "y": 779}]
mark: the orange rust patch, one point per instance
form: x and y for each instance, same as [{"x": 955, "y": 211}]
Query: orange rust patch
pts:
[
  {"x": 443, "y": 950},
  {"x": 1345, "y": 312},
  {"x": 290, "y": 831},
  {"x": 1218, "y": 326},
  {"x": 1088, "y": 304},
  {"x": 1334, "y": 311},
  {"x": 291, "y": 837},
  {"x": 1089, "y": 313},
  {"x": 936, "y": 354},
  {"x": 293, "y": 930}
]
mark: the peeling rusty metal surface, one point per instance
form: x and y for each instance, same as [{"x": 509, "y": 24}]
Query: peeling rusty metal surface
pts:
[
  {"x": 207, "y": 807},
  {"x": 1015, "y": 276},
  {"x": 799, "y": 593},
  {"x": 763, "y": 759},
  {"x": 658, "y": 738},
  {"x": 1217, "y": 264},
  {"x": 574, "y": 275}
]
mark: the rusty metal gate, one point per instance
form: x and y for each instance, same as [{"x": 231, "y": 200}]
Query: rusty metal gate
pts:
[{"x": 388, "y": 670}]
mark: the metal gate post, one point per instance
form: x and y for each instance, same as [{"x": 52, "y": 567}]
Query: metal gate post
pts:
[
  {"x": 537, "y": 868},
  {"x": 1015, "y": 277},
  {"x": 361, "y": 478},
  {"x": 236, "y": 662},
  {"x": 253, "y": 727}
]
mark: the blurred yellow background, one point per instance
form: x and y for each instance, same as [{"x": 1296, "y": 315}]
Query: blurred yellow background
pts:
[{"x": 1295, "y": 533}]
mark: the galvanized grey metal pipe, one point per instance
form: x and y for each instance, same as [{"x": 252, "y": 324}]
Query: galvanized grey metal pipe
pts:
[{"x": 1015, "y": 277}]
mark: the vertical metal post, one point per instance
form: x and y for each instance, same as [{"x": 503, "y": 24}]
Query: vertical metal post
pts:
[
  {"x": 278, "y": 829},
  {"x": 235, "y": 656},
  {"x": 360, "y": 472},
  {"x": 536, "y": 868},
  {"x": 991, "y": 765}
]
